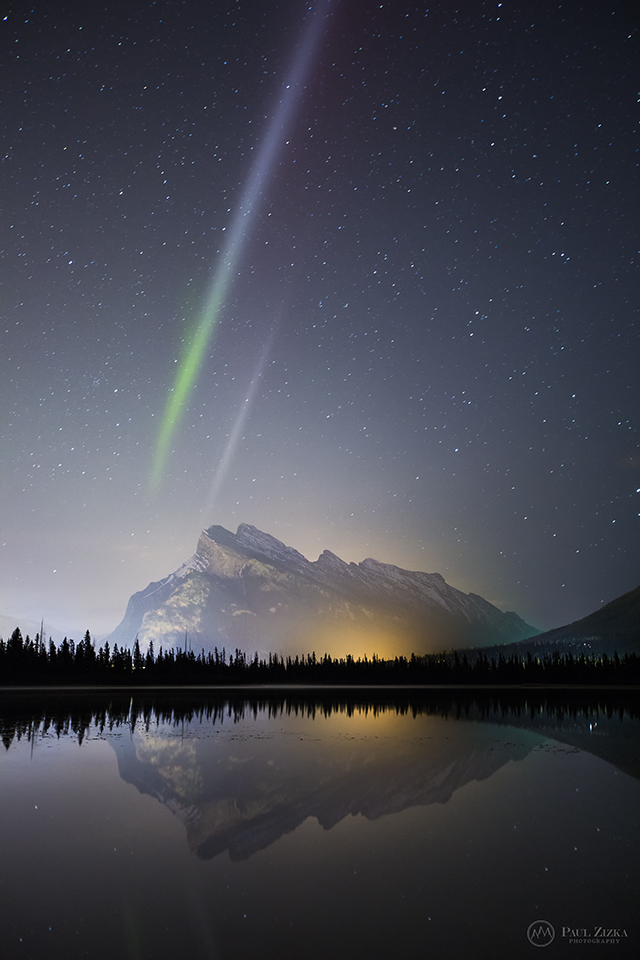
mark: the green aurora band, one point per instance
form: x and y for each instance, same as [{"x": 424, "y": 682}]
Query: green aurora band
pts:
[
  {"x": 188, "y": 371},
  {"x": 194, "y": 356}
]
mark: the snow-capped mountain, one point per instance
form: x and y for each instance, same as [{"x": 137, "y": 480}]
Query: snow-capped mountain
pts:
[{"x": 250, "y": 590}]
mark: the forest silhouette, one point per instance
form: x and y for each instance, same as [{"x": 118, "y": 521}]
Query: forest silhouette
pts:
[{"x": 29, "y": 662}]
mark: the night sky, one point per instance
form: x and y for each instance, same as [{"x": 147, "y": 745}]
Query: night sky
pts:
[{"x": 361, "y": 274}]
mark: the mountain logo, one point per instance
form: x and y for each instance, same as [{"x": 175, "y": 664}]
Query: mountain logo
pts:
[{"x": 540, "y": 933}]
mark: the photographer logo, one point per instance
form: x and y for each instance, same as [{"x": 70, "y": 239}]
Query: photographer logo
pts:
[{"x": 540, "y": 933}]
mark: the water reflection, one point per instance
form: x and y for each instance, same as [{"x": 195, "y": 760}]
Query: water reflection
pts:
[
  {"x": 242, "y": 791},
  {"x": 75, "y": 709},
  {"x": 415, "y": 825}
]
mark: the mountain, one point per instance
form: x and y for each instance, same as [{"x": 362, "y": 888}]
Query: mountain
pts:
[
  {"x": 614, "y": 628},
  {"x": 249, "y": 590},
  {"x": 28, "y": 628}
]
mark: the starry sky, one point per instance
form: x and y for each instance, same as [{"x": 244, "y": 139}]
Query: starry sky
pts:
[{"x": 363, "y": 274}]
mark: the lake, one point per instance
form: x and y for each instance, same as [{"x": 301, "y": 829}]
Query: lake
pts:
[{"x": 320, "y": 824}]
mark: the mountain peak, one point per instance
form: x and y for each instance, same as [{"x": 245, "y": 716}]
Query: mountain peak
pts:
[
  {"x": 329, "y": 561},
  {"x": 250, "y": 590},
  {"x": 253, "y": 539}
]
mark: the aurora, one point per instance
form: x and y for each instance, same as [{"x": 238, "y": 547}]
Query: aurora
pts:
[
  {"x": 235, "y": 435},
  {"x": 194, "y": 355}
]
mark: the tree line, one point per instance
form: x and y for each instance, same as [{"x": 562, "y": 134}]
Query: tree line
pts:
[{"x": 33, "y": 662}]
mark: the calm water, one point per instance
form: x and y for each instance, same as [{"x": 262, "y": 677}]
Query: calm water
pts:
[{"x": 290, "y": 827}]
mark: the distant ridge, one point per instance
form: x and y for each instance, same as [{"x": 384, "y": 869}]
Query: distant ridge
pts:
[
  {"x": 614, "y": 628},
  {"x": 251, "y": 591},
  {"x": 28, "y": 627}
]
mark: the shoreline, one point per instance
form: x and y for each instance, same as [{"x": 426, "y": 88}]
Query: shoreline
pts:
[{"x": 312, "y": 687}]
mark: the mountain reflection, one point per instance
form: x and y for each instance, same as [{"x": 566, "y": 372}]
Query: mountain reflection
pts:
[
  {"x": 242, "y": 792},
  {"x": 240, "y": 772}
]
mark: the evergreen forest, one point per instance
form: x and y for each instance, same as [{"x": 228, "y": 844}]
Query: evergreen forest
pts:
[{"x": 26, "y": 662}]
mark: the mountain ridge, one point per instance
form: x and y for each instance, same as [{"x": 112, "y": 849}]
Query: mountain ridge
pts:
[
  {"x": 252, "y": 591},
  {"x": 613, "y": 628}
]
